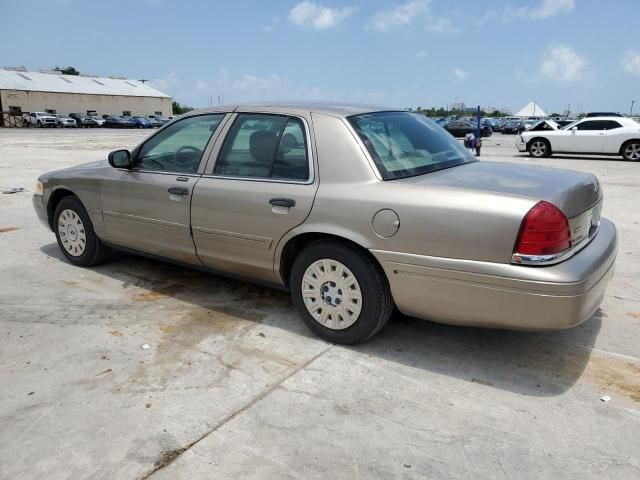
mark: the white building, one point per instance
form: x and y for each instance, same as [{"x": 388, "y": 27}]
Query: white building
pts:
[{"x": 23, "y": 91}]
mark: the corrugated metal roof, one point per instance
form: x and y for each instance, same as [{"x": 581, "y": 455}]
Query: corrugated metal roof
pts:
[{"x": 45, "y": 82}]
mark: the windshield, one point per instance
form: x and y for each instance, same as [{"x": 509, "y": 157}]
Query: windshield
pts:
[{"x": 404, "y": 144}]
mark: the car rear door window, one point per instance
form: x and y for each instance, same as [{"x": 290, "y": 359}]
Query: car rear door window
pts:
[
  {"x": 179, "y": 147},
  {"x": 611, "y": 124},
  {"x": 265, "y": 146}
]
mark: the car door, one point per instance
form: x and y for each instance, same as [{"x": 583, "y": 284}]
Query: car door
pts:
[
  {"x": 259, "y": 184},
  {"x": 147, "y": 208},
  {"x": 613, "y": 136},
  {"x": 586, "y": 137}
]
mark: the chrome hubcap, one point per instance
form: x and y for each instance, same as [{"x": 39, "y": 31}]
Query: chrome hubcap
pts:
[
  {"x": 72, "y": 233},
  {"x": 331, "y": 294},
  {"x": 538, "y": 149},
  {"x": 632, "y": 151}
]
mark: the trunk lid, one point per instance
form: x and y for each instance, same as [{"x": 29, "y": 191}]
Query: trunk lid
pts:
[{"x": 572, "y": 192}]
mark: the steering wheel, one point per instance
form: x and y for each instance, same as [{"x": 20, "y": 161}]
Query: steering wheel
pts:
[
  {"x": 149, "y": 159},
  {"x": 185, "y": 148}
]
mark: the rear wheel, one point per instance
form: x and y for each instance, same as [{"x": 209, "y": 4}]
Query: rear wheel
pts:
[
  {"x": 539, "y": 148},
  {"x": 631, "y": 151},
  {"x": 340, "y": 293},
  {"x": 75, "y": 235}
]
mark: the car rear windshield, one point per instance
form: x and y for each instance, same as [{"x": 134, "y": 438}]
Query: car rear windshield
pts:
[{"x": 404, "y": 144}]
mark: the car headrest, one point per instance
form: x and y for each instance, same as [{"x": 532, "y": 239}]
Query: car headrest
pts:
[
  {"x": 262, "y": 145},
  {"x": 288, "y": 142}
]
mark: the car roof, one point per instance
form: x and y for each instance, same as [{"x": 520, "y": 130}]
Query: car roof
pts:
[
  {"x": 626, "y": 121},
  {"x": 333, "y": 109}
]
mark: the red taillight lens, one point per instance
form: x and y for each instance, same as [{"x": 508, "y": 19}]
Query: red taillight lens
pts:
[{"x": 544, "y": 231}]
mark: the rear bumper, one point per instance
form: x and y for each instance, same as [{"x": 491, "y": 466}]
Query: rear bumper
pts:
[{"x": 464, "y": 292}]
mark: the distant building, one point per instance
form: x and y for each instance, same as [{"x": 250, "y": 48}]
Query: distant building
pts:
[
  {"x": 457, "y": 106},
  {"x": 23, "y": 91}
]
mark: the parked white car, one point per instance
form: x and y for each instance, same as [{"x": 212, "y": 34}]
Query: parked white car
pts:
[
  {"x": 99, "y": 120},
  {"x": 597, "y": 136},
  {"x": 42, "y": 119},
  {"x": 65, "y": 121}
]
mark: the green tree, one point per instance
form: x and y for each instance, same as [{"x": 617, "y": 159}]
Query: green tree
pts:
[
  {"x": 179, "y": 109},
  {"x": 67, "y": 70}
]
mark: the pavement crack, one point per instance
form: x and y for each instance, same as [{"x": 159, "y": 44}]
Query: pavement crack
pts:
[{"x": 167, "y": 458}]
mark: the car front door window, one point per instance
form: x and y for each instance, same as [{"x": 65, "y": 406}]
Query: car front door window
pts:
[{"x": 179, "y": 147}]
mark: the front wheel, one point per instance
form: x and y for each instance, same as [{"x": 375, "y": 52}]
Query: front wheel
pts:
[
  {"x": 539, "y": 148},
  {"x": 631, "y": 151},
  {"x": 75, "y": 235},
  {"x": 341, "y": 294}
]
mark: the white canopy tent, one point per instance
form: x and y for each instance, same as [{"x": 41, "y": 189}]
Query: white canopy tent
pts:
[{"x": 532, "y": 109}]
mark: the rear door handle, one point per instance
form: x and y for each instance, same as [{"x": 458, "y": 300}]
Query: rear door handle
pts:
[
  {"x": 178, "y": 191},
  {"x": 283, "y": 202}
]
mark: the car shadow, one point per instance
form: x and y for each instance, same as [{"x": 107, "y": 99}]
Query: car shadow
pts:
[{"x": 537, "y": 364}]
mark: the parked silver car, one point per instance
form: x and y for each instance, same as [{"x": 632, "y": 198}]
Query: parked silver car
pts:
[{"x": 355, "y": 210}]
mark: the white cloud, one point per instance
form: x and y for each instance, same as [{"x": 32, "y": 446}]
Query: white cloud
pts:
[
  {"x": 441, "y": 25},
  {"x": 272, "y": 26},
  {"x": 202, "y": 86},
  {"x": 460, "y": 74},
  {"x": 167, "y": 84},
  {"x": 548, "y": 8},
  {"x": 421, "y": 54},
  {"x": 412, "y": 11},
  {"x": 247, "y": 87},
  {"x": 399, "y": 16},
  {"x": 631, "y": 61},
  {"x": 318, "y": 17},
  {"x": 562, "y": 62}
]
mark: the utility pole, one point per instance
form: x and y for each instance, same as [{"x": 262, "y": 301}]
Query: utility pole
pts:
[{"x": 143, "y": 80}]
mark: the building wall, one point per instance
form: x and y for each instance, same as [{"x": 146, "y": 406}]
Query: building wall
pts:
[{"x": 81, "y": 103}]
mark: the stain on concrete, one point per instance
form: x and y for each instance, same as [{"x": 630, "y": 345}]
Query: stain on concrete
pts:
[
  {"x": 614, "y": 375},
  {"x": 482, "y": 382},
  {"x": 7, "y": 229},
  {"x": 342, "y": 409},
  {"x": 116, "y": 333},
  {"x": 80, "y": 285},
  {"x": 166, "y": 458},
  {"x": 157, "y": 293},
  {"x": 633, "y": 314}
]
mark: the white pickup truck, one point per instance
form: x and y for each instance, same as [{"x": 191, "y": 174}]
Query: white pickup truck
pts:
[{"x": 42, "y": 119}]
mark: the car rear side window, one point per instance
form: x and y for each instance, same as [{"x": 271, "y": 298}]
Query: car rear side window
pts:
[
  {"x": 179, "y": 147},
  {"x": 611, "y": 124},
  {"x": 404, "y": 144},
  {"x": 265, "y": 146}
]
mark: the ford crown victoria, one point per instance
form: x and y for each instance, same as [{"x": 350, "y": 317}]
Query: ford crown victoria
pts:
[{"x": 357, "y": 211}]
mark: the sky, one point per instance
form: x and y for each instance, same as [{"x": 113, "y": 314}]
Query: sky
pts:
[{"x": 502, "y": 53}]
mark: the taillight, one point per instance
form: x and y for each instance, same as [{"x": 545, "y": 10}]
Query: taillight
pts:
[{"x": 544, "y": 231}]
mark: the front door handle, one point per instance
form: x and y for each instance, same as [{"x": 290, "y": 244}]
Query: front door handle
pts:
[
  {"x": 283, "y": 202},
  {"x": 178, "y": 191}
]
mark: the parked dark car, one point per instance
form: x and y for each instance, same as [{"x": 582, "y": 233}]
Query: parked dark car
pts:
[
  {"x": 513, "y": 126},
  {"x": 118, "y": 122},
  {"x": 155, "y": 122},
  {"x": 140, "y": 122},
  {"x": 83, "y": 120},
  {"x": 604, "y": 114},
  {"x": 460, "y": 129}
]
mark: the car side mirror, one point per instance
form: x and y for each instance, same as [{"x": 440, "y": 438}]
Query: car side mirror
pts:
[{"x": 120, "y": 159}]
